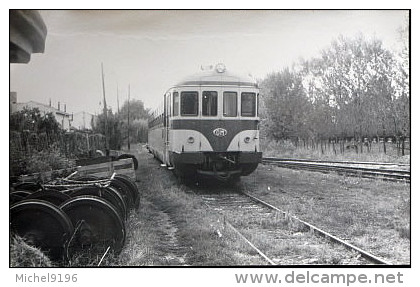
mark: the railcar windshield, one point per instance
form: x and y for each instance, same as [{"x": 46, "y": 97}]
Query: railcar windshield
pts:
[
  {"x": 248, "y": 105},
  {"x": 189, "y": 103},
  {"x": 209, "y": 106},
  {"x": 230, "y": 104}
]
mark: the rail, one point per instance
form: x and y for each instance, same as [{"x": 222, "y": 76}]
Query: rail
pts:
[
  {"x": 244, "y": 199},
  {"x": 323, "y": 233},
  {"x": 380, "y": 170}
]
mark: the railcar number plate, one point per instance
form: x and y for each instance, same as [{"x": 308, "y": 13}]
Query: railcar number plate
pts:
[{"x": 219, "y": 132}]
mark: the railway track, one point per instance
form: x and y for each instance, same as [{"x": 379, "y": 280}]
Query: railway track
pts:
[
  {"x": 277, "y": 227},
  {"x": 384, "y": 171}
]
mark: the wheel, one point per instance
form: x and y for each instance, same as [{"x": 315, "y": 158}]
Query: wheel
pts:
[
  {"x": 133, "y": 187},
  {"x": 97, "y": 223},
  {"x": 234, "y": 179},
  {"x": 125, "y": 192},
  {"x": 186, "y": 174},
  {"x": 28, "y": 186},
  {"x": 53, "y": 196},
  {"x": 43, "y": 225},
  {"x": 16, "y": 196},
  {"x": 135, "y": 162},
  {"x": 110, "y": 194},
  {"x": 248, "y": 168}
]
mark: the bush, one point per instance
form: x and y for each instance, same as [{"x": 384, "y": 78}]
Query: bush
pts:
[
  {"x": 48, "y": 160},
  {"x": 40, "y": 161}
]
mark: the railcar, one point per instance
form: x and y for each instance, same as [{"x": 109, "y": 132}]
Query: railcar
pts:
[{"x": 208, "y": 125}]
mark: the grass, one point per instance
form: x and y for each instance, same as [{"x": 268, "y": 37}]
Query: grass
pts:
[
  {"x": 24, "y": 255},
  {"x": 173, "y": 227},
  {"x": 287, "y": 242},
  {"x": 170, "y": 227},
  {"x": 176, "y": 228},
  {"x": 372, "y": 214}
]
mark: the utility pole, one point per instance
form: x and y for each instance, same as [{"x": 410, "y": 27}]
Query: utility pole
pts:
[
  {"x": 128, "y": 117},
  {"x": 105, "y": 112},
  {"x": 118, "y": 101}
]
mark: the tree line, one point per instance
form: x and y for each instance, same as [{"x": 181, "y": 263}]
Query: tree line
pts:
[{"x": 355, "y": 89}]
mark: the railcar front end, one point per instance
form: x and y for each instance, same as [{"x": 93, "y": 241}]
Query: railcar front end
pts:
[{"x": 209, "y": 126}]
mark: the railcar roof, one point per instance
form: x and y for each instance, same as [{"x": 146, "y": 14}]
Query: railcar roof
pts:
[{"x": 215, "y": 77}]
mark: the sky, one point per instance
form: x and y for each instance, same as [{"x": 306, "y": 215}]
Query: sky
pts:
[{"x": 151, "y": 50}]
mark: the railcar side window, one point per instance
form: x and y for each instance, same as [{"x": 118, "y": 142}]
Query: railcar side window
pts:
[
  {"x": 175, "y": 111},
  {"x": 230, "y": 104},
  {"x": 209, "y": 106},
  {"x": 258, "y": 104},
  {"x": 248, "y": 104},
  {"x": 189, "y": 103}
]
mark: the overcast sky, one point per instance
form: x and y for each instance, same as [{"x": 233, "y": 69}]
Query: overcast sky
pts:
[{"x": 151, "y": 50}]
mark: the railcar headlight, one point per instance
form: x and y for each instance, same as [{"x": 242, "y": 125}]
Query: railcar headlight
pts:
[
  {"x": 220, "y": 68},
  {"x": 247, "y": 139},
  {"x": 190, "y": 140}
]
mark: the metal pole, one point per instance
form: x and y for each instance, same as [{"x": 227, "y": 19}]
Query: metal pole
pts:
[
  {"x": 105, "y": 112},
  {"x": 128, "y": 117},
  {"x": 118, "y": 101}
]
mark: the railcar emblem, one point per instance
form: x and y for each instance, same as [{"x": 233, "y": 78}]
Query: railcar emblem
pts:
[{"x": 219, "y": 132}]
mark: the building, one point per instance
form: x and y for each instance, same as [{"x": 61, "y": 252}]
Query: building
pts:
[
  {"x": 13, "y": 102},
  {"x": 63, "y": 118},
  {"x": 83, "y": 121}
]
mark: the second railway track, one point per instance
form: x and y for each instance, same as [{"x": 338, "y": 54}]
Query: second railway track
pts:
[
  {"x": 280, "y": 238},
  {"x": 385, "y": 171}
]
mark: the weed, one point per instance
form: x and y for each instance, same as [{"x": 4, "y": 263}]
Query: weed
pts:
[
  {"x": 356, "y": 209},
  {"x": 24, "y": 255}
]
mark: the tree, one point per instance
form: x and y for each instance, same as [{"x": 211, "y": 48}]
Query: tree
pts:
[
  {"x": 353, "y": 84},
  {"x": 35, "y": 143},
  {"x": 137, "y": 110},
  {"x": 32, "y": 120},
  {"x": 285, "y": 105},
  {"x": 113, "y": 132},
  {"x": 356, "y": 88},
  {"x": 401, "y": 84},
  {"x": 118, "y": 124},
  {"x": 138, "y": 121}
]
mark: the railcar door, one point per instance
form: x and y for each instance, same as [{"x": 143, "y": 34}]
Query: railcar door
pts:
[
  {"x": 167, "y": 115},
  {"x": 210, "y": 122},
  {"x": 228, "y": 125}
]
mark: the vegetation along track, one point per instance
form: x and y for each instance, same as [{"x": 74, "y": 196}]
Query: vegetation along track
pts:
[
  {"x": 279, "y": 237},
  {"x": 385, "y": 171}
]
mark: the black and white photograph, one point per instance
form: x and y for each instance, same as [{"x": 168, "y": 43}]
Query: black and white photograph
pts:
[{"x": 210, "y": 138}]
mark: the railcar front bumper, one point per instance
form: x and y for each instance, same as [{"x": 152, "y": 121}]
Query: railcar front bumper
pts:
[{"x": 200, "y": 157}]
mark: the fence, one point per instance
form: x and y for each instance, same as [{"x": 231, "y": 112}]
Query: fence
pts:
[{"x": 397, "y": 146}]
